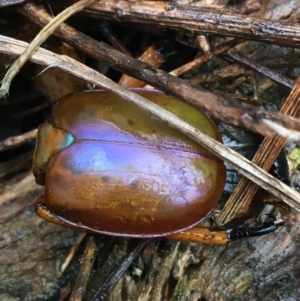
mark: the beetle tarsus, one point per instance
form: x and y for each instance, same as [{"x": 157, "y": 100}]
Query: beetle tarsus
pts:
[{"x": 242, "y": 232}]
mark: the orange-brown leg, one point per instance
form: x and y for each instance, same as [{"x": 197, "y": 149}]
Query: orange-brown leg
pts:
[
  {"x": 42, "y": 211},
  {"x": 202, "y": 235}
]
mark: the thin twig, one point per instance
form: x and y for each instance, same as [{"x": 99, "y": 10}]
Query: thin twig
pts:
[
  {"x": 38, "y": 40},
  {"x": 230, "y": 44},
  {"x": 203, "y": 43},
  {"x": 112, "y": 38},
  {"x": 88, "y": 259},
  {"x": 119, "y": 271},
  {"x": 196, "y": 20},
  {"x": 72, "y": 252},
  {"x": 18, "y": 140},
  {"x": 279, "y": 78},
  {"x": 206, "y": 57},
  {"x": 217, "y": 74}
]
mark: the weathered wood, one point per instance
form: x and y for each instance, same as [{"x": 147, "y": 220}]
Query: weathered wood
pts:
[
  {"x": 31, "y": 249},
  {"x": 195, "y": 20}
]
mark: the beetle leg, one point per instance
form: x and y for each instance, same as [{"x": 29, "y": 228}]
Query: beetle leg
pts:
[
  {"x": 223, "y": 237},
  {"x": 202, "y": 235},
  {"x": 42, "y": 211}
]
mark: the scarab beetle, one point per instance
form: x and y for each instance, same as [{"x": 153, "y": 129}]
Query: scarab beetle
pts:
[{"x": 110, "y": 167}]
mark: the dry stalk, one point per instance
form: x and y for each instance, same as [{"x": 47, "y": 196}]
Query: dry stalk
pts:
[
  {"x": 88, "y": 259},
  {"x": 37, "y": 41},
  {"x": 71, "y": 255},
  {"x": 15, "y": 141},
  {"x": 196, "y": 20}
]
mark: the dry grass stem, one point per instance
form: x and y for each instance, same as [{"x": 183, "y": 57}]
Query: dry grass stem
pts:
[
  {"x": 38, "y": 40},
  {"x": 73, "y": 250}
]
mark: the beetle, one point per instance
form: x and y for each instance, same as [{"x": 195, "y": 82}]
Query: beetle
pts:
[{"x": 110, "y": 167}]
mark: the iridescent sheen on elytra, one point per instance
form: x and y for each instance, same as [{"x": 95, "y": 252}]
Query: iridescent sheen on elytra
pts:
[{"x": 114, "y": 168}]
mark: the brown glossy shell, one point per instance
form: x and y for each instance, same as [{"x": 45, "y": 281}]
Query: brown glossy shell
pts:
[{"x": 113, "y": 168}]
